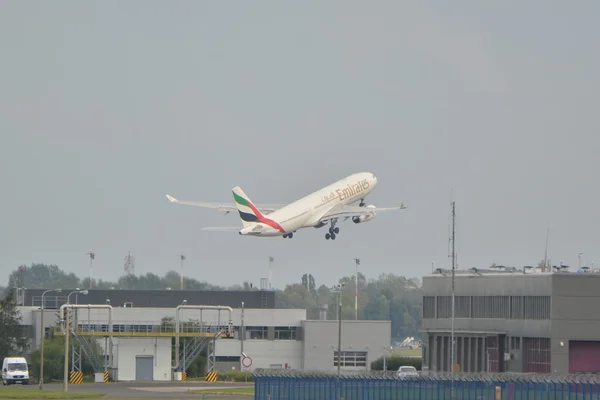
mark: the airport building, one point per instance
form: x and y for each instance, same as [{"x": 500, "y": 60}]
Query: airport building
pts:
[
  {"x": 508, "y": 320},
  {"x": 134, "y": 332}
]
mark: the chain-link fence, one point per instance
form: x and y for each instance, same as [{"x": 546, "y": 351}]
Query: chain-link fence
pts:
[{"x": 317, "y": 385}]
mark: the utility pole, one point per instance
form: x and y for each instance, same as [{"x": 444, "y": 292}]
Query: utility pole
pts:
[
  {"x": 242, "y": 334},
  {"x": 182, "y": 257},
  {"x": 270, "y": 271},
  {"x": 339, "y": 331},
  {"x": 453, "y": 255},
  {"x": 92, "y": 256},
  {"x": 357, "y": 261},
  {"x": 338, "y": 288},
  {"x": 67, "y": 334}
]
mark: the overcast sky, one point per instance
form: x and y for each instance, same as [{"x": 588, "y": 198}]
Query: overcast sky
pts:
[{"x": 106, "y": 106}]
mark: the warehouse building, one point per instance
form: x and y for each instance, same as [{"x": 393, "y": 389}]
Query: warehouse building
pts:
[
  {"x": 509, "y": 320},
  {"x": 136, "y": 340}
]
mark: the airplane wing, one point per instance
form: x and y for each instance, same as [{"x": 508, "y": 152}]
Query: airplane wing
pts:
[
  {"x": 227, "y": 207},
  {"x": 341, "y": 210}
]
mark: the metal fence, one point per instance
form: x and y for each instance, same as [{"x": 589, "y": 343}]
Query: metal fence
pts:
[{"x": 377, "y": 385}]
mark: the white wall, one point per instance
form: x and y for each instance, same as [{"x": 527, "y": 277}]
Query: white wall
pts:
[
  {"x": 321, "y": 340},
  {"x": 142, "y": 315},
  {"x": 125, "y": 350},
  {"x": 264, "y": 353}
]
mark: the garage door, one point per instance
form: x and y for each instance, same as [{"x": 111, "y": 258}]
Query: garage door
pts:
[
  {"x": 584, "y": 356},
  {"x": 144, "y": 368}
]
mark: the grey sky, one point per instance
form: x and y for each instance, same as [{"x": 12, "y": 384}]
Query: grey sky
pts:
[{"x": 107, "y": 106}]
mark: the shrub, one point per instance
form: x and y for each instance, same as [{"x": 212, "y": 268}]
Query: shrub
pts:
[{"x": 235, "y": 376}]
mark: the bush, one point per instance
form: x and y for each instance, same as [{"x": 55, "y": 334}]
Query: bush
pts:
[
  {"x": 394, "y": 362},
  {"x": 235, "y": 376}
]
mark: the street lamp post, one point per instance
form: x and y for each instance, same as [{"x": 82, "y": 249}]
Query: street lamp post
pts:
[
  {"x": 181, "y": 258},
  {"x": 339, "y": 346},
  {"x": 357, "y": 261},
  {"x": 92, "y": 256},
  {"x": 41, "y": 385}
]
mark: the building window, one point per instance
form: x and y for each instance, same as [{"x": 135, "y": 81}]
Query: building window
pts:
[
  {"x": 536, "y": 355},
  {"x": 285, "y": 333},
  {"x": 515, "y": 343},
  {"x": 428, "y": 306},
  {"x": 498, "y": 307},
  {"x": 351, "y": 359},
  {"x": 256, "y": 332}
]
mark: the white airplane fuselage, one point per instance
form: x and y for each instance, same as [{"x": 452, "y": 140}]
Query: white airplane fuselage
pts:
[{"x": 306, "y": 212}]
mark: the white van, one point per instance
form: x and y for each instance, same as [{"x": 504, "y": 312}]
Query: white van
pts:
[{"x": 14, "y": 370}]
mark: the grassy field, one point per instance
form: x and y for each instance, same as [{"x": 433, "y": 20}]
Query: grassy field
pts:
[
  {"x": 19, "y": 394},
  {"x": 407, "y": 353},
  {"x": 243, "y": 390}
]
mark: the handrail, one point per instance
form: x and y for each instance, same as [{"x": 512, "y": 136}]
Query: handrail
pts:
[
  {"x": 203, "y": 307},
  {"x": 199, "y": 307},
  {"x": 89, "y": 306}
]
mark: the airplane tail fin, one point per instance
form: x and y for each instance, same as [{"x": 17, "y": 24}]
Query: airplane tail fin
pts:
[{"x": 248, "y": 211}]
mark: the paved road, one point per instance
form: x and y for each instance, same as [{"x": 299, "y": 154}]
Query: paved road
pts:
[{"x": 153, "y": 390}]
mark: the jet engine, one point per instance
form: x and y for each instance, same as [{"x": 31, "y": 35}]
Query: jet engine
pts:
[{"x": 364, "y": 218}]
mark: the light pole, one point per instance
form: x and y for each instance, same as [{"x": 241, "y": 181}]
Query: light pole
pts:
[
  {"x": 385, "y": 356},
  {"x": 41, "y": 386},
  {"x": 92, "y": 256},
  {"x": 182, "y": 258},
  {"x": 357, "y": 261},
  {"x": 242, "y": 334},
  {"x": 67, "y": 334},
  {"x": 78, "y": 291},
  {"x": 339, "y": 352},
  {"x": 270, "y": 271}
]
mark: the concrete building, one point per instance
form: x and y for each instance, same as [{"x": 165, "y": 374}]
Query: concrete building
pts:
[
  {"x": 362, "y": 343},
  {"x": 142, "y": 339},
  {"x": 513, "y": 320}
]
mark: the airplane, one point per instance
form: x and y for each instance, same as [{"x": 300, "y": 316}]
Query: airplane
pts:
[{"x": 315, "y": 210}]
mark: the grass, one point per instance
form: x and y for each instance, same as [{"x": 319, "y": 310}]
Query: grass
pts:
[
  {"x": 19, "y": 394},
  {"x": 242, "y": 390},
  {"x": 407, "y": 353}
]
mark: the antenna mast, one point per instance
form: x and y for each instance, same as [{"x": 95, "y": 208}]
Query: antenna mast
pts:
[
  {"x": 129, "y": 264},
  {"x": 453, "y": 255}
]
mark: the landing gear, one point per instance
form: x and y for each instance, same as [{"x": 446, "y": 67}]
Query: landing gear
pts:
[
  {"x": 333, "y": 230},
  {"x": 288, "y": 235},
  {"x": 362, "y": 203}
]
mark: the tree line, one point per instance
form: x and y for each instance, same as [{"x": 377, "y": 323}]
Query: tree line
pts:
[{"x": 387, "y": 297}]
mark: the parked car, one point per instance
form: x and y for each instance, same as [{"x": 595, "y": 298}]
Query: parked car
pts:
[
  {"x": 407, "y": 371},
  {"x": 15, "y": 370}
]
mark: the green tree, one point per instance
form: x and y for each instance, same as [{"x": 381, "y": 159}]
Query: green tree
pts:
[
  {"x": 13, "y": 342},
  {"x": 42, "y": 276},
  {"x": 54, "y": 359},
  {"x": 377, "y": 307}
]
